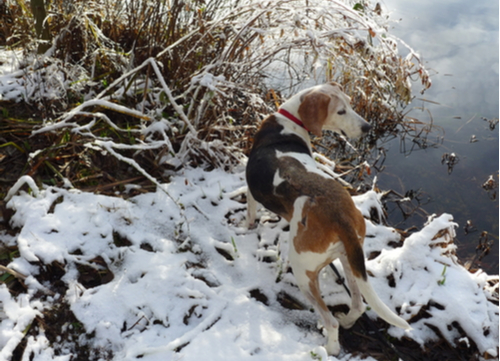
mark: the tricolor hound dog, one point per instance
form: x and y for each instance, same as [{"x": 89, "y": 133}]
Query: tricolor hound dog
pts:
[{"x": 324, "y": 222}]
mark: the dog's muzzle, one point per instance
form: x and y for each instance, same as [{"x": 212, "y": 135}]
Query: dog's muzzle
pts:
[{"x": 365, "y": 128}]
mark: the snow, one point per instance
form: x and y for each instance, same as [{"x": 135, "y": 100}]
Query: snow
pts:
[
  {"x": 174, "y": 295},
  {"x": 18, "y": 315},
  {"x": 30, "y": 79},
  {"x": 209, "y": 81}
]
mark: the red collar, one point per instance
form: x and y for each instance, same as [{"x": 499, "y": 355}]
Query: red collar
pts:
[{"x": 292, "y": 117}]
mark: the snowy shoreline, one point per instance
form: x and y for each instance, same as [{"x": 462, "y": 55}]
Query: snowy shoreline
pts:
[{"x": 185, "y": 269}]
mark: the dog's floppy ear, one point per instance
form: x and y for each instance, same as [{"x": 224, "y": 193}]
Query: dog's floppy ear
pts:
[
  {"x": 337, "y": 84},
  {"x": 313, "y": 111}
]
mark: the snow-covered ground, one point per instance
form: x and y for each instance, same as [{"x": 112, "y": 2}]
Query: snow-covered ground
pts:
[{"x": 190, "y": 282}]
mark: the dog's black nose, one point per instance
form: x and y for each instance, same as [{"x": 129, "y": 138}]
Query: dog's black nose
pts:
[{"x": 366, "y": 127}]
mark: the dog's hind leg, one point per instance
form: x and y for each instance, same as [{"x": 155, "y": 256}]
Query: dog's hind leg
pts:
[
  {"x": 357, "y": 307},
  {"x": 309, "y": 285},
  {"x": 306, "y": 266}
]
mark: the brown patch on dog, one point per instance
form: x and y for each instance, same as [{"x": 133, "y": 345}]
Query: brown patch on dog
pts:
[
  {"x": 330, "y": 221},
  {"x": 312, "y": 235},
  {"x": 313, "y": 111},
  {"x": 328, "y": 216},
  {"x": 314, "y": 288}
]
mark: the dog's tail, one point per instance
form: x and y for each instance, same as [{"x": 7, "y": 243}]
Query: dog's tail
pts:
[
  {"x": 356, "y": 259},
  {"x": 378, "y": 306}
]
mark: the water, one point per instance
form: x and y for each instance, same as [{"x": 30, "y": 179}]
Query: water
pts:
[
  {"x": 459, "y": 192},
  {"x": 458, "y": 41}
]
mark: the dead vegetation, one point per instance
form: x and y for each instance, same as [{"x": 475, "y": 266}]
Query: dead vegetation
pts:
[{"x": 155, "y": 85}]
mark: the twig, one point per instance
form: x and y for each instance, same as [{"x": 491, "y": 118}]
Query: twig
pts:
[
  {"x": 12, "y": 272},
  {"x": 167, "y": 91},
  {"x": 25, "y": 179}
]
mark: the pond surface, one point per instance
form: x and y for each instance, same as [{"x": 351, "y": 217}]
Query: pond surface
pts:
[{"x": 458, "y": 41}]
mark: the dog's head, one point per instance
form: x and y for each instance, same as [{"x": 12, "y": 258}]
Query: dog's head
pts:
[{"x": 328, "y": 107}]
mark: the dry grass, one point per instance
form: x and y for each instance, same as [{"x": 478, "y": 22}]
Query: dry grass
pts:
[{"x": 207, "y": 71}]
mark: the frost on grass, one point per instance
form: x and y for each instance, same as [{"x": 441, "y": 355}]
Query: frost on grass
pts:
[
  {"x": 204, "y": 86},
  {"x": 181, "y": 277}
]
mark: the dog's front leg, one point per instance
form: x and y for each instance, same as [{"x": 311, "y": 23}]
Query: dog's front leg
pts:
[{"x": 251, "y": 210}]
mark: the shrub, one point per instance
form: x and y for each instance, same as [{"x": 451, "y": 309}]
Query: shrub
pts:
[{"x": 188, "y": 81}]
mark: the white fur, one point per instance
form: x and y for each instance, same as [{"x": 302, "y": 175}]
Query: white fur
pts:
[
  {"x": 349, "y": 123},
  {"x": 379, "y": 307},
  {"x": 290, "y": 127},
  {"x": 251, "y": 210},
  {"x": 306, "y": 160}
]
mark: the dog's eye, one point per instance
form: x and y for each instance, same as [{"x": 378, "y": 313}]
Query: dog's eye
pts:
[{"x": 341, "y": 112}]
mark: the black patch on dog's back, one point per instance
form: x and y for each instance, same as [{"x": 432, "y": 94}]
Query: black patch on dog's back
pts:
[{"x": 263, "y": 163}]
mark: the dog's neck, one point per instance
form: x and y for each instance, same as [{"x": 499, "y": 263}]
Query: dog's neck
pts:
[
  {"x": 292, "y": 105},
  {"x": 292, "y": 117},
  {"x": 290, "y": 125}
]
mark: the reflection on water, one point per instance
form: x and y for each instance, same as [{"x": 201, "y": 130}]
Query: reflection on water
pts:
[
  {"x": 459, "y": 42},
  {"x": 448, "y": 177}
]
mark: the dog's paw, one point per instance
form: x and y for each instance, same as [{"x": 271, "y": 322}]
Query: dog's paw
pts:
[
  {"x": 333, "y": 347},
  {"x": 250, "y": 224},
  {"x": 346, "y": 320}
]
